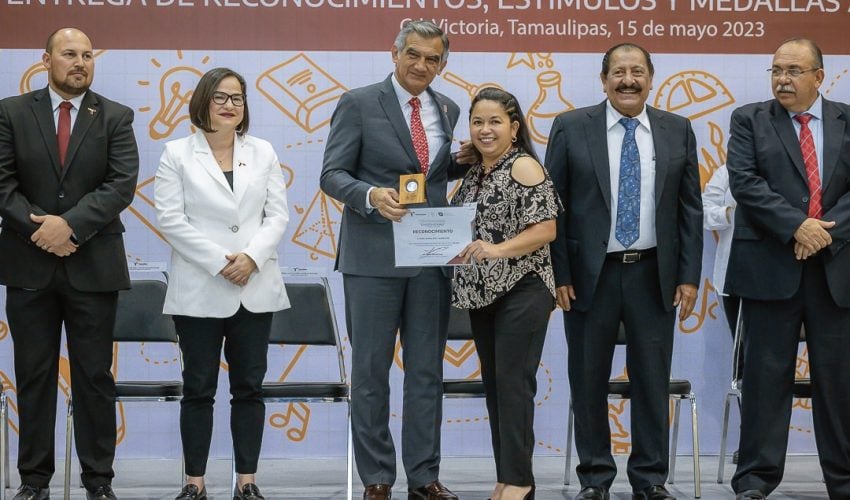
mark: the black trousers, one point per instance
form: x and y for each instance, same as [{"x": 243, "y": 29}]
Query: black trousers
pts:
[
  {"x": 509, "y": 336},
  {"x": 246, "y": 343},
  {"x": 770, "y": 352},
  {"x": 35, "y": 320},
  {"x": 731, "y": 308},
  {"x": 629, "y": 293}
]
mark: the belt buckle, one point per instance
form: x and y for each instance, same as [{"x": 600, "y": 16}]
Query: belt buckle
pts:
[{"x": 631, "y": 257}]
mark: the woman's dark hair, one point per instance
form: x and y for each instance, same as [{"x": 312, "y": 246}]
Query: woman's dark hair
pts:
[
  {"x": 199, "y": 105},
  {"x": 511, "y": 106}
]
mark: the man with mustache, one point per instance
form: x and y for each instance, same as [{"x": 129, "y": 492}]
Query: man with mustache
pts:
[
  {"x": 68, "y": 167},
  {"x": 628, "y": 249},
  {"x": 789, "y": 170}
]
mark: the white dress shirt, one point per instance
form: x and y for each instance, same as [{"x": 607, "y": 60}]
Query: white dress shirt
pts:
[
  {"x": 56, "y": 100},
  {"x": 646, "y": 149}
]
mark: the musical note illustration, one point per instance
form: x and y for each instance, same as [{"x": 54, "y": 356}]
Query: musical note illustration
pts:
[{"x": 294, "y": 421}]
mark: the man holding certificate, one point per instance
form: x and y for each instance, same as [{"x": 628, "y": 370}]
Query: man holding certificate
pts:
[{"x": 379, "y": 133}]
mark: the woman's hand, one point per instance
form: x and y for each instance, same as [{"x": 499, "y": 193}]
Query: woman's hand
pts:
[
  {"x": 239, "y": 269},
  {"x": 480, "y": 250}
]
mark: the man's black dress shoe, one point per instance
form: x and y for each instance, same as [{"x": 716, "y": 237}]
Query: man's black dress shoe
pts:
[
  {"x": 656, "y": 492},
  {"x": 750, "y": 495},
  {"x": 27, "y": 492},
  {"x": 431, "y": 491},
  {"x": 249, "y": 492},
  {"x": 593, "y": 493},
  {"x": 102, "y": 492},
  {"x": 378, "y": 492},
  {"x": 192, "y": 492}
]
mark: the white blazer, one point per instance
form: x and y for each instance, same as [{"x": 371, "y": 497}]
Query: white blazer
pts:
[{"x": 204, "y": 220}]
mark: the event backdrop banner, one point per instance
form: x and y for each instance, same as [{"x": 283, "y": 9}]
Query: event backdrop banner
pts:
[{"x": 300, "y": 56}]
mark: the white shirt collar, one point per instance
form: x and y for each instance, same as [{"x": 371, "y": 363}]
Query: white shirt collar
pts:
[
  {"x": 613, "y": 116},
  {"x": 816, "y": 109},
  {"x": 56, "y": 99},
  {"x": 404, "y": 96}
]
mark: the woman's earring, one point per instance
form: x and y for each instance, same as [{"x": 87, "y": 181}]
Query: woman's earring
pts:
[{"x": 513, "y": 139}]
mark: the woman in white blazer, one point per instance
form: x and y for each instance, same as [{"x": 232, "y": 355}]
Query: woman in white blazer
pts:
[{"x": 220, "y": 202}]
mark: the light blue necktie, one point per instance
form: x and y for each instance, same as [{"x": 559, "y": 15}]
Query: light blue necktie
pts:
[{"x": 628, "y": 196}]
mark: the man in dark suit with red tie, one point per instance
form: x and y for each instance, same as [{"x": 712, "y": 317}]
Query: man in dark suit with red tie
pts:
[
  {"x": 68, "y": 167},
  {"x": 400, "y": 126},
  {"x": 789, "y": 170}
]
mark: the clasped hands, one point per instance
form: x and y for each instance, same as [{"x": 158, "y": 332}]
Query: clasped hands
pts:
[
  {"x": 239, "y": 268},
  {"x": 53, "y": 235},
  {"x": 811, "y": 237}
]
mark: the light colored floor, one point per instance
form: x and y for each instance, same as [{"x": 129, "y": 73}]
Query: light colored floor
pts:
[{"x": 470, "y": 478}]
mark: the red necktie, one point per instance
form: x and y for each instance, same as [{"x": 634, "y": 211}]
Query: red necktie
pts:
[
  {"x": 417, "y": 133},
  {"x": 810, "y": 159},
  {"x": 63, "y": 130}
]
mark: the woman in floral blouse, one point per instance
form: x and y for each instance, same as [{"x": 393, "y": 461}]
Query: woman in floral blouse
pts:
[{"x": 509, "y": 289}]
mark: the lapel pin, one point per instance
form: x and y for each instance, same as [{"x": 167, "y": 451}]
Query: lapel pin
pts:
[
  {"x": 92, "y": 111},
  {"x": 445, "y": 109}
]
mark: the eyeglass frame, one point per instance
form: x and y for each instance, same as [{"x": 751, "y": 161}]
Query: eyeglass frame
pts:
[
  {"x": 216, "y": 96},
  {"x": 792, "y": 73}
]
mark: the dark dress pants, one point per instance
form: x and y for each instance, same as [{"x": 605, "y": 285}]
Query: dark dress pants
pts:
[
  {"x": 246, "y": 343},
  {"x": 770, "y": 359},
  {"x": 418, "y": 309},
  {"x": 509, "y": 336},
  {"x": 35, "y": 320},
  {"x": 631, "y": 293},
  {"x": 731, "y": 309}
]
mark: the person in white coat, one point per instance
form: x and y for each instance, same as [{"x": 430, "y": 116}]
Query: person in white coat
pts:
[
  {"x": 718, "y": 209},
  {"x": 220, "y": 202}
]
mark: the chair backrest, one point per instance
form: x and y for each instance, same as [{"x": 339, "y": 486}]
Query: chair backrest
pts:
[
  {"x": 310, "y": 319},
  {"x": 459, "y": 325},
  {"x": 139, "y": 317}
]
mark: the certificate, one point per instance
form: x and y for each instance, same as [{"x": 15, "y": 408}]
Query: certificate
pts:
[{"x": 433, "y": 236}]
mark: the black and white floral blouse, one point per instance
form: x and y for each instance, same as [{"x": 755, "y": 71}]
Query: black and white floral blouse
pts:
[{"x": 505, "y": 208}]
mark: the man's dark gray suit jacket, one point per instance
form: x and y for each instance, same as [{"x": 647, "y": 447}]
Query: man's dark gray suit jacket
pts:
[
  {"x": 369, "y": 145},
  {"x": 768, "y": 180}
]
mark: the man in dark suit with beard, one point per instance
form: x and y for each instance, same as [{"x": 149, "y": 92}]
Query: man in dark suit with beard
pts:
[
  {"x": 789, "y": 170},
  {"x": 629, "y": 249},
  {"x": 68, "y": 167}
]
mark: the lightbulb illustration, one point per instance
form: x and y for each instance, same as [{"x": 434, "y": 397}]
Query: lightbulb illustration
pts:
[{"x": 175, "y": 90}]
